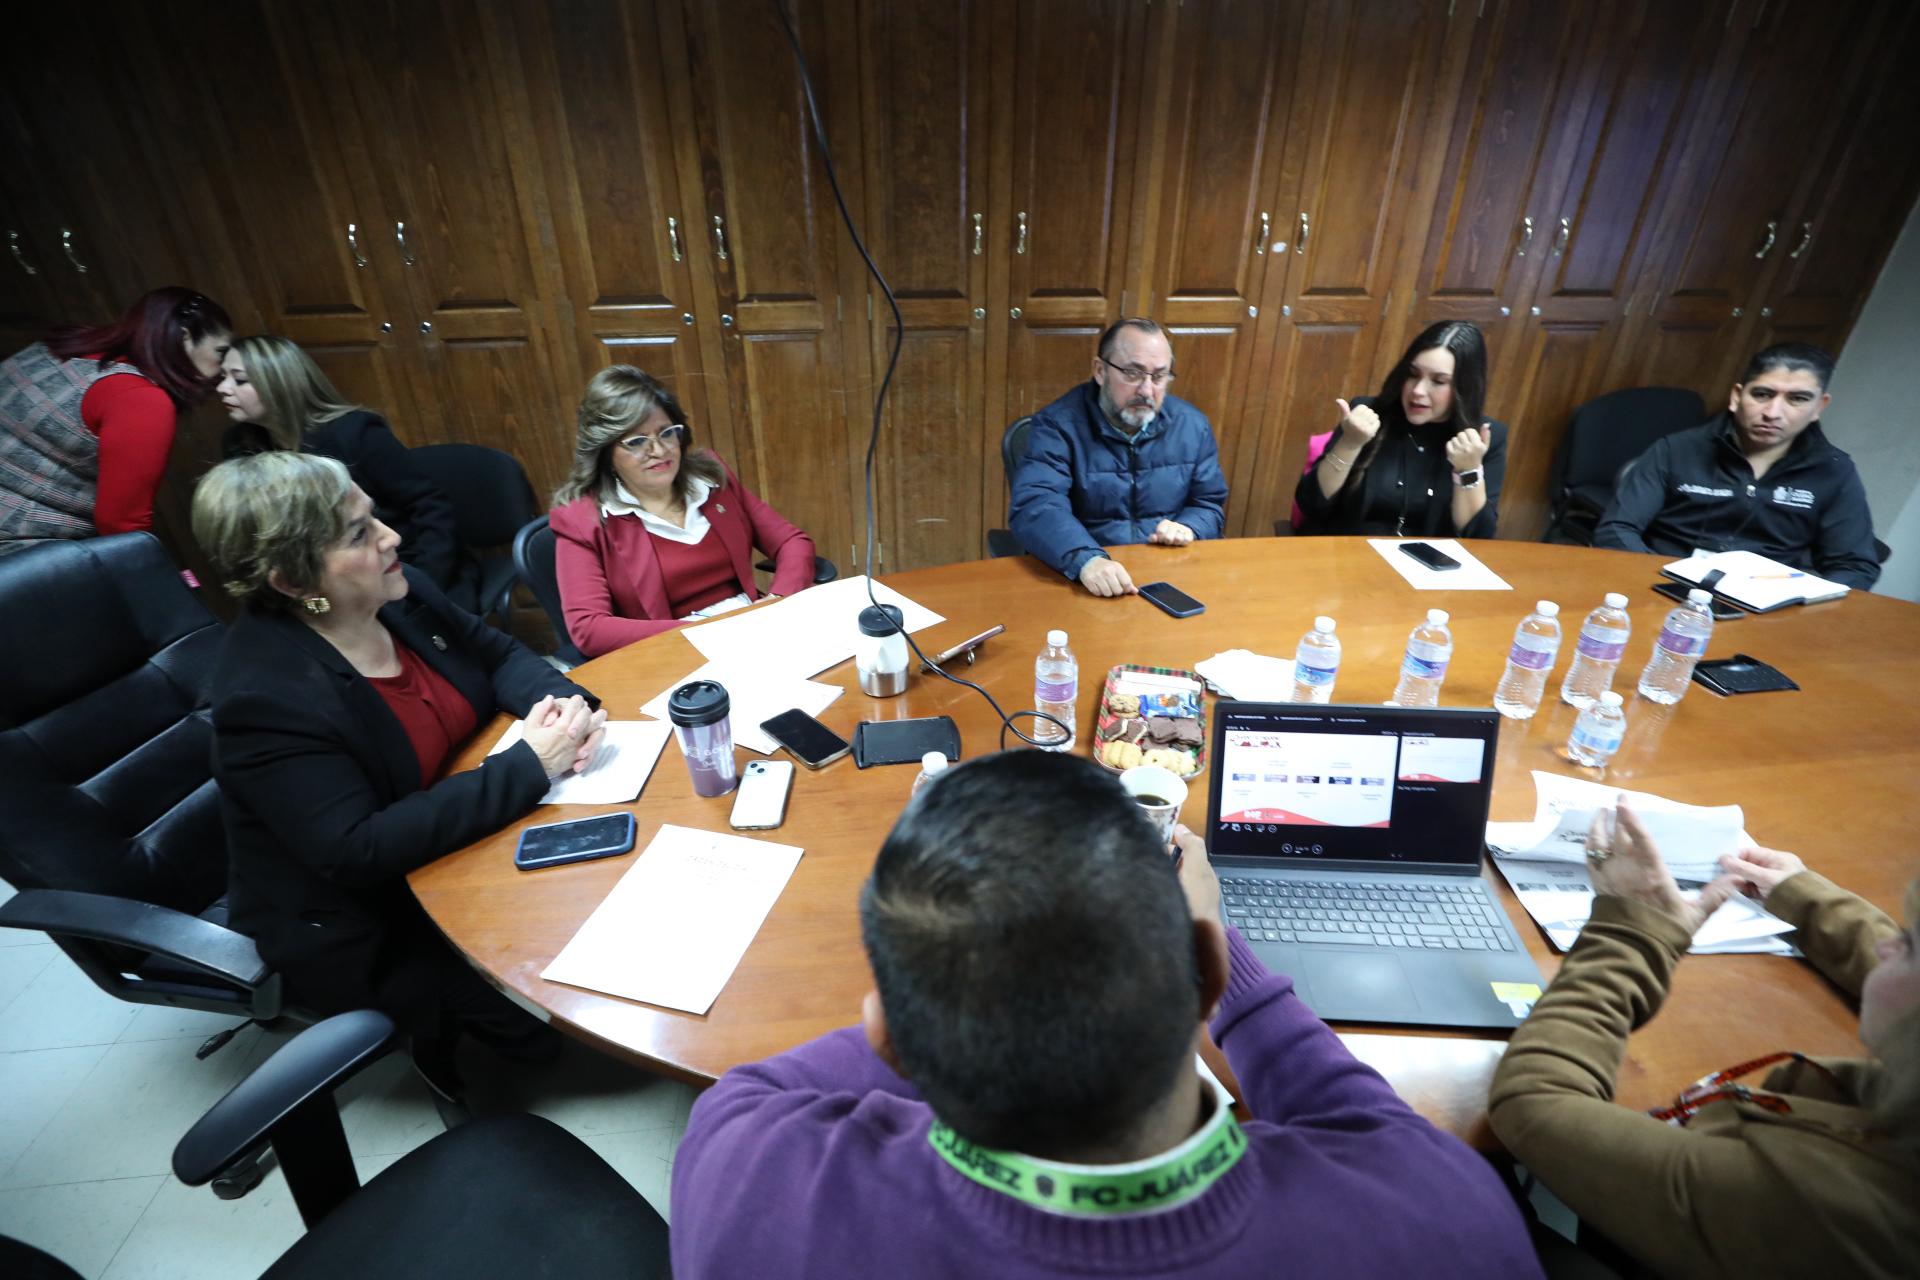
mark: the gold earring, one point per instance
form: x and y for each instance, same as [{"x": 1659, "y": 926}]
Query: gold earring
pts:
[{"x": 316, "y": 604}]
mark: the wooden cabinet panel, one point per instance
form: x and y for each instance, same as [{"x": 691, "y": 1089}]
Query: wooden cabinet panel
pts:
[
  {"x": 1560, "y": 362},
  {"x": 1325, "y": 359}
]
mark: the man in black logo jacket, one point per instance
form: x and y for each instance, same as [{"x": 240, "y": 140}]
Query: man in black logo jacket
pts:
[{"x": 1760, "y": 477}]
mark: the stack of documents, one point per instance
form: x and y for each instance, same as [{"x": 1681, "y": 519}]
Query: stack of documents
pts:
[
  {"x": 804, "y": 634},
  {"x": 1546, "y": 863},
  {"x": 1249, "y": 676}
]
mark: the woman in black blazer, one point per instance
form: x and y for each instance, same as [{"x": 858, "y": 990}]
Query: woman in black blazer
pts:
[
  {"x": 278, "y": 398},
  {"x": 1417, "y": 460},
  {"x": 345, "y": 684}
]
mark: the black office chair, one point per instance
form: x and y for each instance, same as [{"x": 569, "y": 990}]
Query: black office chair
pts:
[
  {"x": 110, "y": 821},
  {"x": 1603, "y": 435},
  {"x": 1013, "y": 447},
  {"x": 492, "y": 499},
  {"x": 505, "y": 1195}
]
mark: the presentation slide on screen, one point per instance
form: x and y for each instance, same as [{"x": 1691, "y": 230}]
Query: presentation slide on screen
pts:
[
  {"x": 1308, "y": 779},
  {"x": 1426, "y": 759}
]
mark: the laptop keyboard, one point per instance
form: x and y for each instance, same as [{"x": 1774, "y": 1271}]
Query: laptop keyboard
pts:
[{"x": 1364, "y": 913}]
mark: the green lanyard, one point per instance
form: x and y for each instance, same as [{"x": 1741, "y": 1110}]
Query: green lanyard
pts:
[{"x": 1102, "y": 1191}]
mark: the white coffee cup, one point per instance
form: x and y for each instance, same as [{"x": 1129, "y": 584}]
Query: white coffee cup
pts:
[{"x": 1151, "y": 782}]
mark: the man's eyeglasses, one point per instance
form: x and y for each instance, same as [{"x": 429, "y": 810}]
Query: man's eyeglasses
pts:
[
  {"x": 1135, "y": 375},
  {"x": 669, "y": 438}
]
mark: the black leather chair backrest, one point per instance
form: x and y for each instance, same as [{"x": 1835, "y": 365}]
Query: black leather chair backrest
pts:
[
  {"x": 533, "y": 561},
  {"x": 1609, "y": 431},
  {"x": 106, "y": 740},
  {"x": 491, "y": 495},
  {"x": 1013, "y": 445}
]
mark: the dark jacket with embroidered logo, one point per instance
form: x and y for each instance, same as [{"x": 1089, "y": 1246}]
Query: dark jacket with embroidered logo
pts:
[{"x": 1696, "y": 488}]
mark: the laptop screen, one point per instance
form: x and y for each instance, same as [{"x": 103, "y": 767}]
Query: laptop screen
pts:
[{"x": 1339, "y": 784}]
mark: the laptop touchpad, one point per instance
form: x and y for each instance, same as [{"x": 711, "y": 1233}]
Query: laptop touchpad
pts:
[{"x": 1361, "y": 988}]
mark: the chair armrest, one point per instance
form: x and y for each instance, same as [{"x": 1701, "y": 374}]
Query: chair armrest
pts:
[
  {"x": 306, "y": 1069},
  {"x": 213, "y": 949}
]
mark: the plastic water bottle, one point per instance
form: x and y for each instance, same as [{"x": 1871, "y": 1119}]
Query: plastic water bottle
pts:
[
  {"x": 1316, "y": 662},
  {"x": 1598, "y": 732},
  {"x": 1603, "y": 638},
  {"x": 1429, "y": 649},
  {"x": 1680, "y": 644},
  {"x": 932, "y": 765},
  {"x": 1536, "y": 643},
  {"x": 1056, "y": 687}
]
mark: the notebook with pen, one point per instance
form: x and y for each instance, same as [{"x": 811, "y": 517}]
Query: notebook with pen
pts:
[{"x": 1753, "y": 581}]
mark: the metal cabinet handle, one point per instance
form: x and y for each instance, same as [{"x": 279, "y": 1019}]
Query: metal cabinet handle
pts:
[
  {"x": 1020, "y": 245},
  {"x": 1773, "y": 230},
  {"x": 13, "y": 243},
  {"x": 1806, "y": 239},
  {"x": 353, "y": 245},
  {"x": 979, "y": 231},
  {"x": 400, "y": 234},
  {"x": 719, "y": 238},
  {"x": 426, "y": 326},
  {"x": 1526, "y": 236},
  {"x": 1266, "y": 229},
  {"x": 386, "y": 326},
  {"x": 1560, "y": 237},
  {"x": 1300, "y": 243},
  {"x": 673, "y": 238},
  {"x": 66, "y": 244}
]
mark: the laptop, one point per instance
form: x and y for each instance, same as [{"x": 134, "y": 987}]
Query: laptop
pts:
[{"x": 1349, "y": 842}]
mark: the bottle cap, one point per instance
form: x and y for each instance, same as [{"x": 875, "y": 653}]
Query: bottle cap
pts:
[
  {"x": 1056, "y": 639},
  {"x": 880, "y": 619},
  {"x": 1323, "y": 624},
  {"x": 933, "y": 762},
  {"x": 1610, "y": 698},
  {"x": 1615, "y": 600},
  {"x": 1437, "y": 617},
  {"x": 1699, "y": 596},
  {"x": 698, "y": 702},
  {"x": 1546, "y": 608}
]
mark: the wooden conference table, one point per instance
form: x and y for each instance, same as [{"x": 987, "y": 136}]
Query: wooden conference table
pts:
[{"x": 1831, "y": 772}]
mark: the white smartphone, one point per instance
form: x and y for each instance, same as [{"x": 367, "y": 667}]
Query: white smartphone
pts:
[{"x": 760, "y": 803}]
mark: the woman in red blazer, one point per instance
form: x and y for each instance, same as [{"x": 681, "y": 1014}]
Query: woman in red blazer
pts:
[{"x": 651, "y": 532}]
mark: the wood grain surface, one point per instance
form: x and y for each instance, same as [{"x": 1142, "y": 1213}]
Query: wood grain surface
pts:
[{"x": 1831, "y": 772}]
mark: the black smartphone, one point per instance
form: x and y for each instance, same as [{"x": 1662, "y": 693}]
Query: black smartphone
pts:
[
  {"x": 1721, "y": 609},
  {"x": 806, "y": 739},
  {"x": 558, "y": 843},
  {"x": 1171, "y": 599},
  {"x": 1430, "y": 556}
]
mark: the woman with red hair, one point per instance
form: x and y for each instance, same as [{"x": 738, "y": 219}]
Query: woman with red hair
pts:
[{"x": 87, "y": 417}]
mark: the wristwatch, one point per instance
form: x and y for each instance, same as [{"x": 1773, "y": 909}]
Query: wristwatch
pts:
[{"x": 1467, "y": 479}]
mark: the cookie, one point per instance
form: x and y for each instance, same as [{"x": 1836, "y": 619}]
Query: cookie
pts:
[
  {"x": 1187, "y": 733},
  {"x": 1124, "y": 704},
  {"x": 1167, "y": 758},
  {"x": 1161, "y": 729},
  {"x": 1120, "y": 755}
]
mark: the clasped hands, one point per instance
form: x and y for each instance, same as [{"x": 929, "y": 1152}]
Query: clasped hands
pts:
[
  {"x": 1623, "y": 860},
  {"x": 564, "y": 732}
]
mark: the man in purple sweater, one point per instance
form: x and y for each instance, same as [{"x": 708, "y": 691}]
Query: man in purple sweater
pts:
[{"x": 1024, "y": 1100}]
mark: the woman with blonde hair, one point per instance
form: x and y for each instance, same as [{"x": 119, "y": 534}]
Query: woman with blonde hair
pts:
[
  {"x": 1813, "y": 1169},
  {"x": 650, "y": 531},
  {"x": 278, "y": 398},
  {"x": 345, "y": 686}
]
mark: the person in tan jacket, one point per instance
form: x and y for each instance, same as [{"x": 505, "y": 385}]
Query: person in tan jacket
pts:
[{"x": 1814, "y": 1171}]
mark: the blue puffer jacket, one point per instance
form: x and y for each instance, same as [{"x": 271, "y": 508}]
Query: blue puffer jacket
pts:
[{"x": 1083, "y": 485}]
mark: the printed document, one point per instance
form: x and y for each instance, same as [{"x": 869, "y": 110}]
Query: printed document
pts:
[
  {"x": 678, "y": 922},
  {"x": 619, "y": 769},
  {"x": 803, "y": 634}
]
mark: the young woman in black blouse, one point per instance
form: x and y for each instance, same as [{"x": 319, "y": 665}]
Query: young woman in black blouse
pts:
[{"x": 1417, "y": 459}]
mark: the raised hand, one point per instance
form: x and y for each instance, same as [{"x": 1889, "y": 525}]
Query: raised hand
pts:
[
  {"x": 1358, "y": 421},
  {"x": 1465, "y": 450}
]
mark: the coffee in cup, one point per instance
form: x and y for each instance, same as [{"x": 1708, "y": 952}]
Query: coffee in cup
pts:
[{"x": 1159, "y": 792}]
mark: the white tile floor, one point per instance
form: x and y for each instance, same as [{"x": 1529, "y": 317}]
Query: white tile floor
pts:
[{"x": 94, "y": 1094}]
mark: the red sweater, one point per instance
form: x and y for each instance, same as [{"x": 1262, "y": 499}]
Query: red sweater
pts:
[
  {"x": 438, "y": 720},
  {"x": 134, "y": 420}
]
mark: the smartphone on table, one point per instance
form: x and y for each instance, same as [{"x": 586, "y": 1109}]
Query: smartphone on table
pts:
[
  {"x": 805, "y": 739},
  {"x": 558, "y": 843},
  {"x": 1430, "y": 556},
  {"x": 760, "y": 802},
  {"x": 1170, "y": 599}
]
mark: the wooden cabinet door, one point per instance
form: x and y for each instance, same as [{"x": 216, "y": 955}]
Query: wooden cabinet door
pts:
[
  {"x": 924, "y": 93},
  {"x": 28, "y": 304},
  {"x": 1757, "y": 157},
  {"x": 432, "y": 93},
  {"x": 626, "y": 240},
  {"x": 1078, "y": 86},
  {"x": 1355, "y": 138},
  {"x": 1217, "y": 177},
  {"x": 772, "y": 237},
  {"x": 1639, "y": 83}
]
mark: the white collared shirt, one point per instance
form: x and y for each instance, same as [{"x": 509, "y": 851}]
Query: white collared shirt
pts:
[{"x": 623, "y": 503}]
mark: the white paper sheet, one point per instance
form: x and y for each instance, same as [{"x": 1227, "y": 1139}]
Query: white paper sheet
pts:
[
  {"x": 1691, "y": 837},
  {"x": 753, "y": 694},
  {"x": 619, "y": 770},
  {"x": 1249, "y": 676},
  {"x": 803, "y": 634},
  {"x": 1472, "y": 575},
  {"x": 676, "y": 925},
  {"x": 1559, "y": 897}
]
